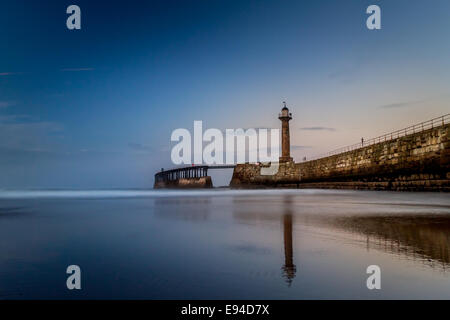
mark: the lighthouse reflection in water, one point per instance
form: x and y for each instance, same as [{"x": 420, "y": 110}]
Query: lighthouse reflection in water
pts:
[{"x": 289, "y": 267}]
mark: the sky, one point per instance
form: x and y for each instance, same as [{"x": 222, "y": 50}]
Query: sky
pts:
[{"x": 95, "y": 108}]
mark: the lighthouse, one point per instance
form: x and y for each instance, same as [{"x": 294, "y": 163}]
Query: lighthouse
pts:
[{"x": 285, "y": 116}]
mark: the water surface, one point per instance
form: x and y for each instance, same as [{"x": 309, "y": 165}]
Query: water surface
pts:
[{"x": 224, "y": 244}]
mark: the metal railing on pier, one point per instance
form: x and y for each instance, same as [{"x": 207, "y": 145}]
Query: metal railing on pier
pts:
[{"x": 430, "y": 124}]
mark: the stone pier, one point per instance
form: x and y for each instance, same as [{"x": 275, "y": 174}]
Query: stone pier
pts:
[
  {"x": 417, "y": 161},
  {"x": 183, "y": 178}
]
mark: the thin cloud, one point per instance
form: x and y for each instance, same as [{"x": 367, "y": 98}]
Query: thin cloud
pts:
[
  {"x": 76, "y": 69},
  {"x": 20, "y": 132},
  {"x": 348, "y": 73},
  {"x": 401, "y": 104},
  {"x": 6, "y": 104},
  {"x": 14, "y": 118},
  {"x": 2, "y": 74},
  {"x": 318, "y": 129},
  {"x": 297, "y": 147},
  {"x": 139, "y": 147},
  {"x": 56, "y": 95},
  {"x": 5, "y": 74}
]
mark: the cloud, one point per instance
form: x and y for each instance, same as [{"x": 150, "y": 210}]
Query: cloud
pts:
[
  {"x": 297, "y": 147},
  {"x": 318, "y": 129},
  {"x": 21, "y": 132},
  {"x": 6, "y": 104},
  {"x": 76, "y": 69},
  {"x": 339, "y": 74},
  {"x": 401, "y": 104},
  {"x": 140, "y": 147},
  {"x": 13, "y": 118},
  {"x": 347, "y": 72},
  {"x": 5, "y": 74},
  {"x": 9, "y": 73},
  {"x": 56, "y": 95}
]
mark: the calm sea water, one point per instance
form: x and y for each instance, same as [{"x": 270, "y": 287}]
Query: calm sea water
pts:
[{"x": 224, "y": 244}]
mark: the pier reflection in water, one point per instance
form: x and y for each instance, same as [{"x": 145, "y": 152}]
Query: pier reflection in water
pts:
[
  {"x": 418, "y": 232},
  {"x": 423, "y": 238}
]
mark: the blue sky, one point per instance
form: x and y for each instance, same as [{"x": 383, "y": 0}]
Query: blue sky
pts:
[{"x": 94, "y": 108}]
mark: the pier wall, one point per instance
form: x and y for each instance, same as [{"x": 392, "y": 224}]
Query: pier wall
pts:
[
  {"x": 415, "y": 162},
  {"x": 185, "y": 183}
]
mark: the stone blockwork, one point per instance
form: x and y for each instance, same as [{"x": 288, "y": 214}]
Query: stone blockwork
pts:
[
  {"x": 419, "y": 161},
  {"x": 249, "y": 176},
  {"x": 185, "y": 183}
]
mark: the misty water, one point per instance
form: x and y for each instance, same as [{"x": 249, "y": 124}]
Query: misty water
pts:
[{"x": 224, "y": 244}]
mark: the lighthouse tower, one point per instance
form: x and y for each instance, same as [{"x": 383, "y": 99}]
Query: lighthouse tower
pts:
[{"x": 285, "y": 116}]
